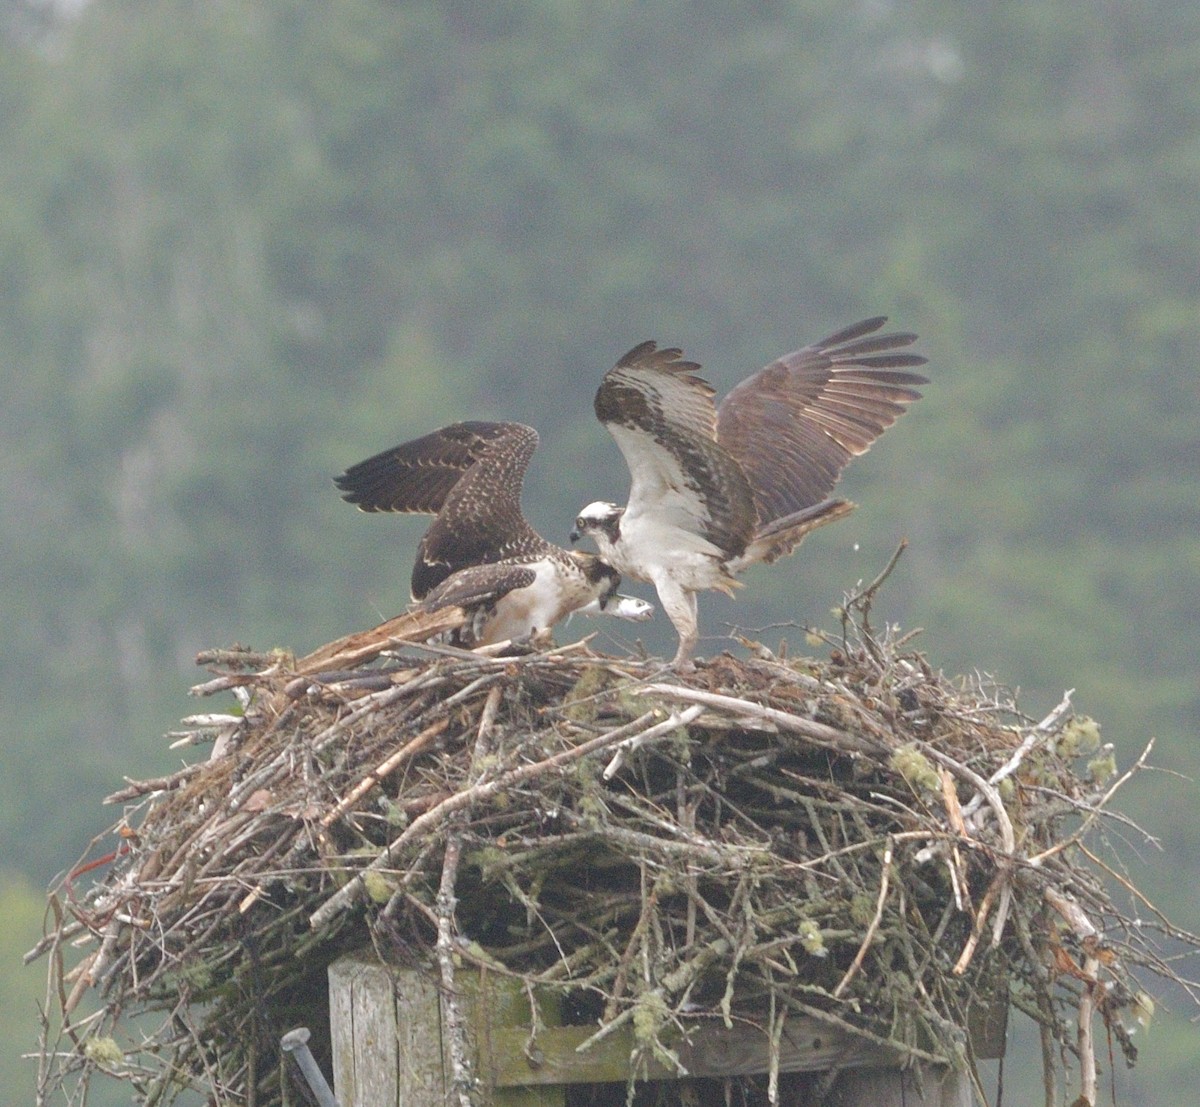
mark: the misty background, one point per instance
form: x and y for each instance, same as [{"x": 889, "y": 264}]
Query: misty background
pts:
[{"x": 244, "y": 245}]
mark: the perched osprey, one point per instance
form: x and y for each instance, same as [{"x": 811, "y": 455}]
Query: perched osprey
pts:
[
  {"x": 479, "y": 553},
  {"x": 714, "y": 490},
  {"x": 514, "y": 599}
]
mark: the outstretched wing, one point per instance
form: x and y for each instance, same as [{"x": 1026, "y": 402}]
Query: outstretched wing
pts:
[
  {"x": 661, "y": 414},
  {"x": 417, "y": 476},
  {"x": 470, "y": 475},
  {"x": 795, "y": 424}
]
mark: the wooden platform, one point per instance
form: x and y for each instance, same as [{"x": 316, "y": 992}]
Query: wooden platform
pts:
[{"x": 388, "y": 1048}]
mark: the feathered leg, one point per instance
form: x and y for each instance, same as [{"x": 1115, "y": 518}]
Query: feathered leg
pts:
[{"x": 681, "y": 608}]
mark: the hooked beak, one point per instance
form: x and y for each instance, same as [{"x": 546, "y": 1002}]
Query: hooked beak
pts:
[{"x": 575, "y": 536}]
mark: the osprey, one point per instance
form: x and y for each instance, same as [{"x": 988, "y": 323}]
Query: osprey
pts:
[
  {"x": 716, "y": 489},
  {"x": 480, "y": 554}
]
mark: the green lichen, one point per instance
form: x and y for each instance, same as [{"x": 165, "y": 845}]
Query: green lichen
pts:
[{"x": 916, "y": 768}]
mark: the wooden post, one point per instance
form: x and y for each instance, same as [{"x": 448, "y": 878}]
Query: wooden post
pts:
[
  {"x": 387, "y": 1037},
  {"x": 388, "y": 1049},
  {"x": 376, "y": 1035}
]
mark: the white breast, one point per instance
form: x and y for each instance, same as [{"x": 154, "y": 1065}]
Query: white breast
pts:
[
  {"x": 649, "y": 548},
  {"x": 537, "y": 607}
]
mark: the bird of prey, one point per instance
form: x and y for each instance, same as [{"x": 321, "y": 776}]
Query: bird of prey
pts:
[
  {"x": 480, "y": 554},
  {"x": 716, "y": 489}
]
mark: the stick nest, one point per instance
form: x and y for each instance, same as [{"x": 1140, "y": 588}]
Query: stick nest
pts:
[{"x": 858, "y": 839}]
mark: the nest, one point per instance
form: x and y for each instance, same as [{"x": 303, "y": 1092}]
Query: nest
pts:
[{"x": 857, "y": 839}]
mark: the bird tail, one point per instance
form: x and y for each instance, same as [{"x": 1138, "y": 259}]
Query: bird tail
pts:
[{"x": 781, "y": 536}]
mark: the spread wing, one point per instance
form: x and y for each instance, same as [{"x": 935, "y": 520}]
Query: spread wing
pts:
[
  {"x": 661, "y": 414},
  {"x": 417, "y": 476},
  {"x": 795, "y": 424},
  {"x": 478, "y": 584},
  {"x": 470, "y": 475}
]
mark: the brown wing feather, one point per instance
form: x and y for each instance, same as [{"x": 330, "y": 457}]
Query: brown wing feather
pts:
[
  {"x": 795, "y": 424},
  {"x": 470, "y": 475},
  {"x": 481, "y": 521},
  {"x": 677, "y": 468},
  {"x": 649, "y": 383},
  {"x": 416, "y": 477}
]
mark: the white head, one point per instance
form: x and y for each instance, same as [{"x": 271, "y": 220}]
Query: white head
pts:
[{"x": 602, "y": 522}]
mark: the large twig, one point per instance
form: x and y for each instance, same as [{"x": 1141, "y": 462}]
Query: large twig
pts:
[
  {"x": 841, "y": 740},
  {"x": 452, "y": 1020},
  {"x": 862, "y": 601},
  {"x": 1087, "y": 1047},
  {"x": 869, "y": 937}
]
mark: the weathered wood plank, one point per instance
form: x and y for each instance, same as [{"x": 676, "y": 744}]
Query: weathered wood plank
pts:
[
  {"x": 362, "y": 1005},
  {"x": 375, "y": 1039},
  {"x": 341, "y": 1027},
  {"x": 805, "y": 1046},
  {"x": 987, "y": 1028},
  {"x": 422, "y": 1074},
  {"x": 388, "y": 1047},
  {"x": 919, "y": 1086},
  {"x": 499, "y": 1019}
]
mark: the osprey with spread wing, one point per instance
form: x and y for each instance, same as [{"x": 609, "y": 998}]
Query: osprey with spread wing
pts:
[
  {"x": 716, "y": 489},
  {"x": 480, "y": 554}
]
